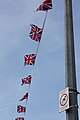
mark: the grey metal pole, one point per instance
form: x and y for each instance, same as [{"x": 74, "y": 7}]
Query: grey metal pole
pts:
[{"x": 70, "y": 71}]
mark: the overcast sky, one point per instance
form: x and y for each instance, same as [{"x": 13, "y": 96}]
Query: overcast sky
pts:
[{"x": 49, "y": 73}]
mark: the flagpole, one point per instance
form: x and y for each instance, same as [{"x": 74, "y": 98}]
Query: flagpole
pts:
[{"x": 70, "y": 67}]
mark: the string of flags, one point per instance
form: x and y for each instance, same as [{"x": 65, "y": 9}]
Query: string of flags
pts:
[{"x": 35, "y": 34}]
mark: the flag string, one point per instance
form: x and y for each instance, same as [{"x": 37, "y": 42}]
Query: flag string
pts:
[
  {"x": 37, "y": 50},
  {"x": 36, "y": 57},
  {"x": 35, "y": 61},
  {"x": 27, "y": 80}
]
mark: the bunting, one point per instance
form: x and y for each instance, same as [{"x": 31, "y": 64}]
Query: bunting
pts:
[
  {"x": 29, "y": 59},
  {"x": 35, "y": 34},
  {"x": 26, "y": 80},
  {"x": 19, "y": 118},
  {"x": 46, "y": 5},
  {"x": 21, "y": 109},
  {"x": 24, "y": 97}
]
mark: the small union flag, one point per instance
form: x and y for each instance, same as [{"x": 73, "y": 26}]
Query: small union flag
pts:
[
  {"x": 21, "y": 109},
  {"x": 24, "y": 97},
  {"x": 46, "y": 5},
  {"x": 35, "y": 33},
  {"x": 26, "y": 80},
  {"x": 29, "y": 59},
  {"x": 19, "y": 118}
]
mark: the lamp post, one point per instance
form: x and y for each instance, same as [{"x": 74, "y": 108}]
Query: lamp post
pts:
[{"x": 70, "y": 69}]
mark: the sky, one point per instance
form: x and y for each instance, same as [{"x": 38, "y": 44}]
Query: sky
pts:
[{"x": 49, "y": 73}]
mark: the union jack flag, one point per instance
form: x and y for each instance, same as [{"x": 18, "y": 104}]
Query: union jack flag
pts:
[
  {"x": 35, "y": 33},
  {"x": 19, "y": 118},
  {"x": 29, "y": 59},
  {"x": 24, "y": 97},
  {"x": 21, "y": 109},
  {"x": 46, "y": 5},
  {"x": 26, "y": 80}
]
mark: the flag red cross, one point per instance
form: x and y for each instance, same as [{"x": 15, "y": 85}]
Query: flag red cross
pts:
[
  {"x": 36, "y": 33},
  {"x": 29, "y": 59},
  {"x": 21, "y": 109}
]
